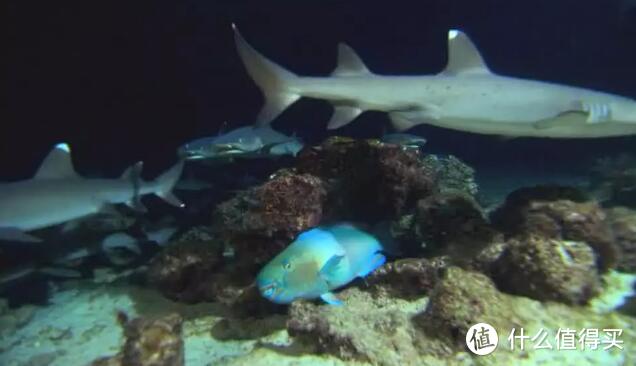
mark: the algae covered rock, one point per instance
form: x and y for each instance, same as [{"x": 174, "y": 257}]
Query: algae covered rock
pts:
[
  {"x": 366, "y": 329},
  {"x": 182, "y": 271},
  {"x": 461, "y": 299},
  {"x": 368, "y": 180},
  {"x": 408, "y": 278},
  {"x": 447, "y": 223},
  {"x": 560, "y": 213},
  {"x": 149, "y": 342},
  {"x": 281, "y": 207},
  {"x": 623, "y": 223},
  {"x": 547, "y": 269},
  {"x": 453, "y": 174}
]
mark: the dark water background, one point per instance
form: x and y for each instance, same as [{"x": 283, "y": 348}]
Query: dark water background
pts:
[{"x": 123, "y": 81}]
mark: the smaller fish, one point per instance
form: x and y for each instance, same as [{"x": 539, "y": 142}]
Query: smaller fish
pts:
[
  {"x": 318, "y": 261},
  {"x": 404, "y": 139}
]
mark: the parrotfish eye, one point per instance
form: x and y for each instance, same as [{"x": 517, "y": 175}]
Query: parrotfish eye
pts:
[{"x": 287, "y": 265}]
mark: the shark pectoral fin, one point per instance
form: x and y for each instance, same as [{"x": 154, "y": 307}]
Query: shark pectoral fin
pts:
[
  {"x": 342, "y": 115},
  {"x": 137, "y": 205},
  {"x": 374, "y": 262},
  {"x": 15, "y": 234},
  {"x": 349, "y": 63},
  {"x": 331, "y": 299},
  {"x": 403, "y": 120}
]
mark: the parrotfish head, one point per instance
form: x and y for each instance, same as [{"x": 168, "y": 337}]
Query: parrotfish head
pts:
[{"x": 289, "y": 276}]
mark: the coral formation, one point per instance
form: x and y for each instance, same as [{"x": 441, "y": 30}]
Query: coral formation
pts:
[
  {"x": 451, "y": 221},
  {"x": 613, "y": 180},
  {"x": 453, "y": 174},
  {"x": 462, "y": 298},
  {"x": 558, "y": 213},
  {"x": 407, "y": 278},
  {"x": 149, "y": 342},
  {"x": 182, "y": 271},
  {"x": 359, "y": 170},
  {"x": 548, "y": 269},
  {"x": 623, "y": 223}
]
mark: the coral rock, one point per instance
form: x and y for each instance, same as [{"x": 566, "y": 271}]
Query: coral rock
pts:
[
  {"x": 453, "y": 174},
  {"x": 182, "y": 271},
  {"x": 451, "y": 222},
  {"x": 547, "y": 269},
  {"x": 407, "y": 278},
  {"x": 462, "y": 298},
  {"x": 375, "y": 330},
  {"x": 360, "y": 170},
  {"x": 283, "y": 206},
  {"x": 557, "y": 213},
  {"x": 623, "y": 224},
  {"x": 155, "y": 342}
]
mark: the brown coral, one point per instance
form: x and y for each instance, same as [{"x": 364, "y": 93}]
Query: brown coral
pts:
[
  {"x": 407, "y": 278},
  {"x": 547, "y": 269},
  {"x": 371, "y": 181},
  {"x": 182, "y": 271},
  {"x": 149, "y": 342},
  {"x": 623, "y": 223},
  {"x": 558, "y": 213}
]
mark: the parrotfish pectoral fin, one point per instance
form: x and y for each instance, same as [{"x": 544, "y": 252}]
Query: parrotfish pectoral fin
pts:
[
  {"x": 331, "y": 299},
  {"x": 14, "y": 234},
  {"x": 375, "y": 261},
  {"x": 331, "y": 268}
]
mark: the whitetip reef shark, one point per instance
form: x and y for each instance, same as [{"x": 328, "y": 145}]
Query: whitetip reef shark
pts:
[
  {"x": 465, "y": 96},
  {"x": 56, "y": 194}
]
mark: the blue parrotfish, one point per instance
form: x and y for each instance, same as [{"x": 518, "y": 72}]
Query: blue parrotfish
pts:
[{"x": 318, "y": 261}]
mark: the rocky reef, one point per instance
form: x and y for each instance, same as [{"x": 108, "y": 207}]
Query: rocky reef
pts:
[{"x": 546, "y": 250}]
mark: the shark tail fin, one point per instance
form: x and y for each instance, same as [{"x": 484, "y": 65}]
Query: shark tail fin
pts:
[
  {"x": 167, "y": 181},
  {"x": 273, "y": 80}
]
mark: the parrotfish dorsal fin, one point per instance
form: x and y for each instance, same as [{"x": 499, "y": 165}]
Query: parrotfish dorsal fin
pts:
[
  {"x": 463, "y": 57},
  {"x": 57, "y": 164},
  {"x": 349, "y": 63}
]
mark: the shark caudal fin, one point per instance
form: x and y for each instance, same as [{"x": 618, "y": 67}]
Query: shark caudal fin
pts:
[
  {"x": 273, "y": 80},
  {"x": 166, "y": 182}
]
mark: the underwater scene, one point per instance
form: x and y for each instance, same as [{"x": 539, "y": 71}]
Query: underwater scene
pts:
[{"x": 434, "y": 182}]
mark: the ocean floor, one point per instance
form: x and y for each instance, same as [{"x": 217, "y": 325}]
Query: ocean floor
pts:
[{"x": 80, "y": 325}]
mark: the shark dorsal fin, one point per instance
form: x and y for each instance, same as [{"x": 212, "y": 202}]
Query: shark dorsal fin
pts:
[
  {"x": 349, "y": 63},
  {"x": 463, "y": 57},
  {"x": 57, "y": 164}
]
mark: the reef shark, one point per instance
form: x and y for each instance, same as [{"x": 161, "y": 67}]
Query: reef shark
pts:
[
  {"x": 245, "y": 142},
  {"x": 56, "y": 194},
  {"x": 465, "y": 96}
]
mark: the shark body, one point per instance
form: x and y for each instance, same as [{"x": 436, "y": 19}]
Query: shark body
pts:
[
  {"x": 465, "y": 96},
  {"x": 56, "y": 194},
  {"x": 243, "y": 142}
]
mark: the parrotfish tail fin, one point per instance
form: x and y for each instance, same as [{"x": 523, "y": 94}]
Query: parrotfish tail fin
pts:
[
  {"x": 382, "y": 231},
  {"x": 167, "y": 181},
  {"x": 374, "y": 262},
  {"x": 273, "y": 80}
]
